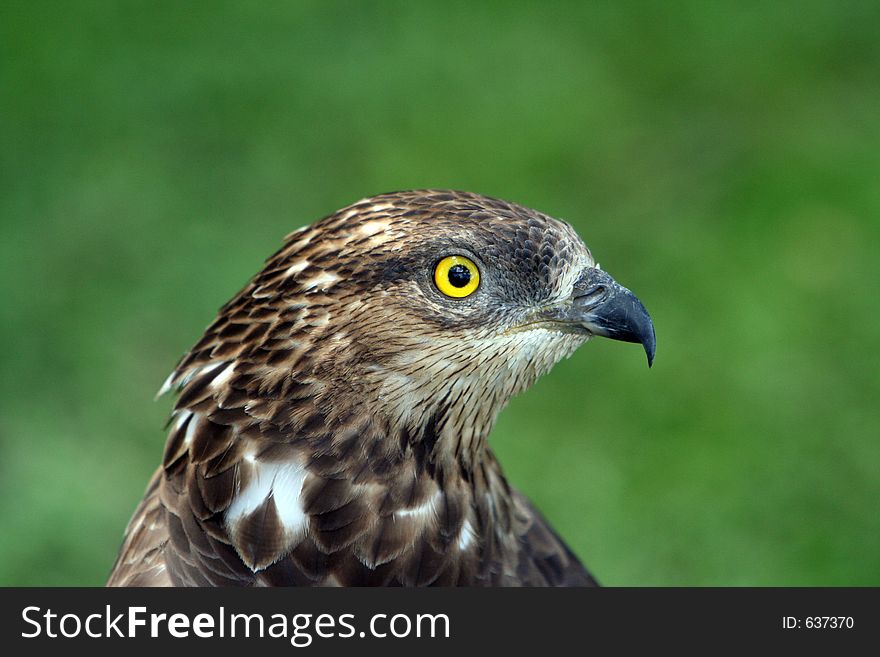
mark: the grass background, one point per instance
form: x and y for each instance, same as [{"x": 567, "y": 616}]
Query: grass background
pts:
[{"x": 721, "y": 159}]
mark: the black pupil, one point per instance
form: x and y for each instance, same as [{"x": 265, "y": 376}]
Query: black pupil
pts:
[{"x": 459, "y": 275}]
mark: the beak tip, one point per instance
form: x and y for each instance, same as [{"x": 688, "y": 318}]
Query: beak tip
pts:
[{"x": 650, "y": 345}]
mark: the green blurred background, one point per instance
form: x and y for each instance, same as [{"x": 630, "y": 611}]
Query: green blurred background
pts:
[{"x": 722, "y": 160}]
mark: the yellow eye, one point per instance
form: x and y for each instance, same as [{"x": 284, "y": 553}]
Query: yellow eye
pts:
[{"x": 457, "y": 276}]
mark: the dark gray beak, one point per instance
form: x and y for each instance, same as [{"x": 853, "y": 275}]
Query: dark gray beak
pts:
[{"x": 603, "y": 307}]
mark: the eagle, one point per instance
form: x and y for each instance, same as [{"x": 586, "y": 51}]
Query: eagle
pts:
[{"x": 331, "y": 425}]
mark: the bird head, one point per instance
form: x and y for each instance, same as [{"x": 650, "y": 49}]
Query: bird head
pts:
[{"x": 430, "y": 308}]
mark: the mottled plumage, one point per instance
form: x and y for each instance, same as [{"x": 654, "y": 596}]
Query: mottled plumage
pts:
[{"x": 331, "y": 424}]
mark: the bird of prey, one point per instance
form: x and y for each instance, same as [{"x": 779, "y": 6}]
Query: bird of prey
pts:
[{"x": 331, "y": 424}]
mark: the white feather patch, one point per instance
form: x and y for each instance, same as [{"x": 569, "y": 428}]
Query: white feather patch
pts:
[
  {"x": 296, "y": 267},
  {"x": 372, "y": 227},
  {"x": 191, "y": 428},
  {"x": 379, "y": 207},
  {"x": 422, "y": 510},
  {"x": 180, "y": 417},
  {"x": 166, "y": 386},
  {"x": 466, "y": 536},
  {"x": 320, "y": 281},
  {"x": 283, "y": 482},
  {"x": 224, "y": 376}
]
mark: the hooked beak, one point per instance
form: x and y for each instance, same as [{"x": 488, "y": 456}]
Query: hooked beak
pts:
[{"x": 603, "y": 307}]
